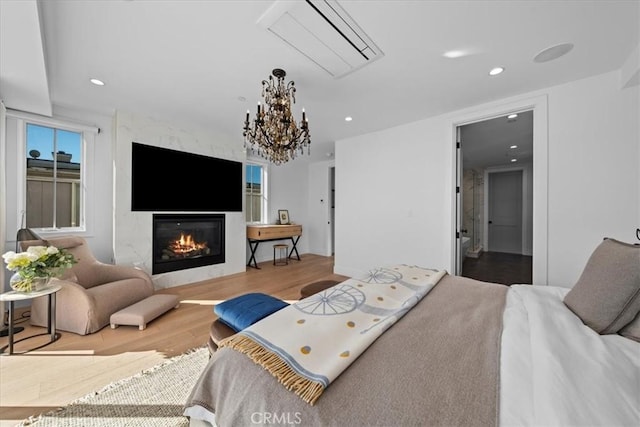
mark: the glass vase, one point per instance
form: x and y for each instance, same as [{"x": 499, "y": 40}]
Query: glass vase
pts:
[{"x": 27, "y": 285}]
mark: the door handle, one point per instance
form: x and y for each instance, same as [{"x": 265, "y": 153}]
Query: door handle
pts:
[{"x": 490, "y": 222}]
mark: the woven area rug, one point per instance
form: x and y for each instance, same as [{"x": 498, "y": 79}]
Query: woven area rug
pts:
[{"x": 154, "y": 397}]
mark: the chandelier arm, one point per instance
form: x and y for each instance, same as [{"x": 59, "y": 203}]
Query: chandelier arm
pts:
[{"x": 268, "y": 142}]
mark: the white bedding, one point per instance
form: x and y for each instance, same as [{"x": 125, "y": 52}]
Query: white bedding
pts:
[{"x": 555, "y": 371}]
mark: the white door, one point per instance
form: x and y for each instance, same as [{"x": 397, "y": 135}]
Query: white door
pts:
[{"x": 505, "y": 212}]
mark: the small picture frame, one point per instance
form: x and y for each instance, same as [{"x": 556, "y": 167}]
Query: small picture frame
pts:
[{"x": 283, "y": 215}]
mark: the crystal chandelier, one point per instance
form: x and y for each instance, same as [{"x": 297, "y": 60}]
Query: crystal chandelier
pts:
[{"x": 274, "y": 133}]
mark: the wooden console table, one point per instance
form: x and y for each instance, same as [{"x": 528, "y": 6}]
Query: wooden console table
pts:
[{"x": 266, "y": 233}]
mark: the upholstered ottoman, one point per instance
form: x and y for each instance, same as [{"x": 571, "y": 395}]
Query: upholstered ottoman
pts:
[
  {"x": 217, "y": 333},
  {"x": 240, "y": 312},
  {"x": 315, "y": 287},
  {"x": 144, "y": 311}
]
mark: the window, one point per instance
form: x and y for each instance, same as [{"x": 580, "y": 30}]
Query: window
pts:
[
  {"x": 256, "y": 193},
  {"x": 53, "y": 198}
]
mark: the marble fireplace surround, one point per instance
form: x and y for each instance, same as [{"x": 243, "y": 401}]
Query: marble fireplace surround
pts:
[{"x": 133, "y": 231}]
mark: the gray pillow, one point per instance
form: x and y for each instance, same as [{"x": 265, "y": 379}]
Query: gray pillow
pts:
[
  {"x": 632, "y": 330},
  {"x": 607, "y": 295}
]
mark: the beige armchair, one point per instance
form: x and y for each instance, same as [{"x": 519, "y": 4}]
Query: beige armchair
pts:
[{"x": 91, "y": 290}]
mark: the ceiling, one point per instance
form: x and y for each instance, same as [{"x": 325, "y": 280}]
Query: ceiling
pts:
[
  {"x": 201, "y": 63},
  {"x": 498, "y": 141}
]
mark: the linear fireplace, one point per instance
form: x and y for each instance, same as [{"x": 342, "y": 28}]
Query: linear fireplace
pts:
[{"x": 182, "y": 241}]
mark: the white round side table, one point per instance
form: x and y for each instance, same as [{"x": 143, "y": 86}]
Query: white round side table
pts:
[{"x": 13, "y": 296}]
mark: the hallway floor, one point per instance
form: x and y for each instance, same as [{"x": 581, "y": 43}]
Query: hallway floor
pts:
[{"x": 499, "y": 267}]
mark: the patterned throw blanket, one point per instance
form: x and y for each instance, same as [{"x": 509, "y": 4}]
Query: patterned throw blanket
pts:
[{"x": 309, "y": 344}]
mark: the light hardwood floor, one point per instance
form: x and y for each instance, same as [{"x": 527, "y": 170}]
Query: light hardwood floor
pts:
[{"x": 74, "y": 366}]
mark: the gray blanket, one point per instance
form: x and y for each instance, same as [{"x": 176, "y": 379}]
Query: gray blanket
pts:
[{"x": 436, "y": 366}]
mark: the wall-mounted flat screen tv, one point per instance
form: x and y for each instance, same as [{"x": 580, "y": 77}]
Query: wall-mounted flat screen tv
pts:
[{"x": 171, "y": 180}]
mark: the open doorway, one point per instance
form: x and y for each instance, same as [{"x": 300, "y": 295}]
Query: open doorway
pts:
[{"x": 495, "y": 201}]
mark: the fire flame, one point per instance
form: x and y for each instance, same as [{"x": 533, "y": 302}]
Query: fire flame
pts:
[{"x": 186, "y": 244}]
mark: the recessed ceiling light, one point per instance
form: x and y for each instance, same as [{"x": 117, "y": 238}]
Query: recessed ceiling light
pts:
[
  {"x": 454, "y": 54},
  {"x": 514, "y": 160},
  {"x": 496, "y": 71},
  {"x": 512, "y": 116},
  {"x": 242, "y": 99},
  {"x": 513, "y": 146},
  {"x": 553, "y": 52},
  {"x": 97, "y": 82},
  {"x": 348, "y": 119}
]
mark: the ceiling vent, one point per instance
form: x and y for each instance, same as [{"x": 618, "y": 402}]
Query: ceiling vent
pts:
[{"x": 323, "y": 32}]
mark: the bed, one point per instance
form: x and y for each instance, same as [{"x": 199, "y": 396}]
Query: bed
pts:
[{"x": 467, "y": 353}]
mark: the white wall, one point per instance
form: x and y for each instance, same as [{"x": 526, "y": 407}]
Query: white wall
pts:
[
  {"x": 392, "y": 199},
  {"x": 394, "y": 202},
  {"x": 132, "y": 231},
  {"x": 594, "y": 185}
]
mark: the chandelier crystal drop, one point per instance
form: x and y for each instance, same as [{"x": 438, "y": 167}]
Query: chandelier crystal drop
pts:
[{"x": 274, "y": 133}]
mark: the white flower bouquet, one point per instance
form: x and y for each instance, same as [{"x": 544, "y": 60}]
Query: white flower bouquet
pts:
[{"x": 36, "y": 263}]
